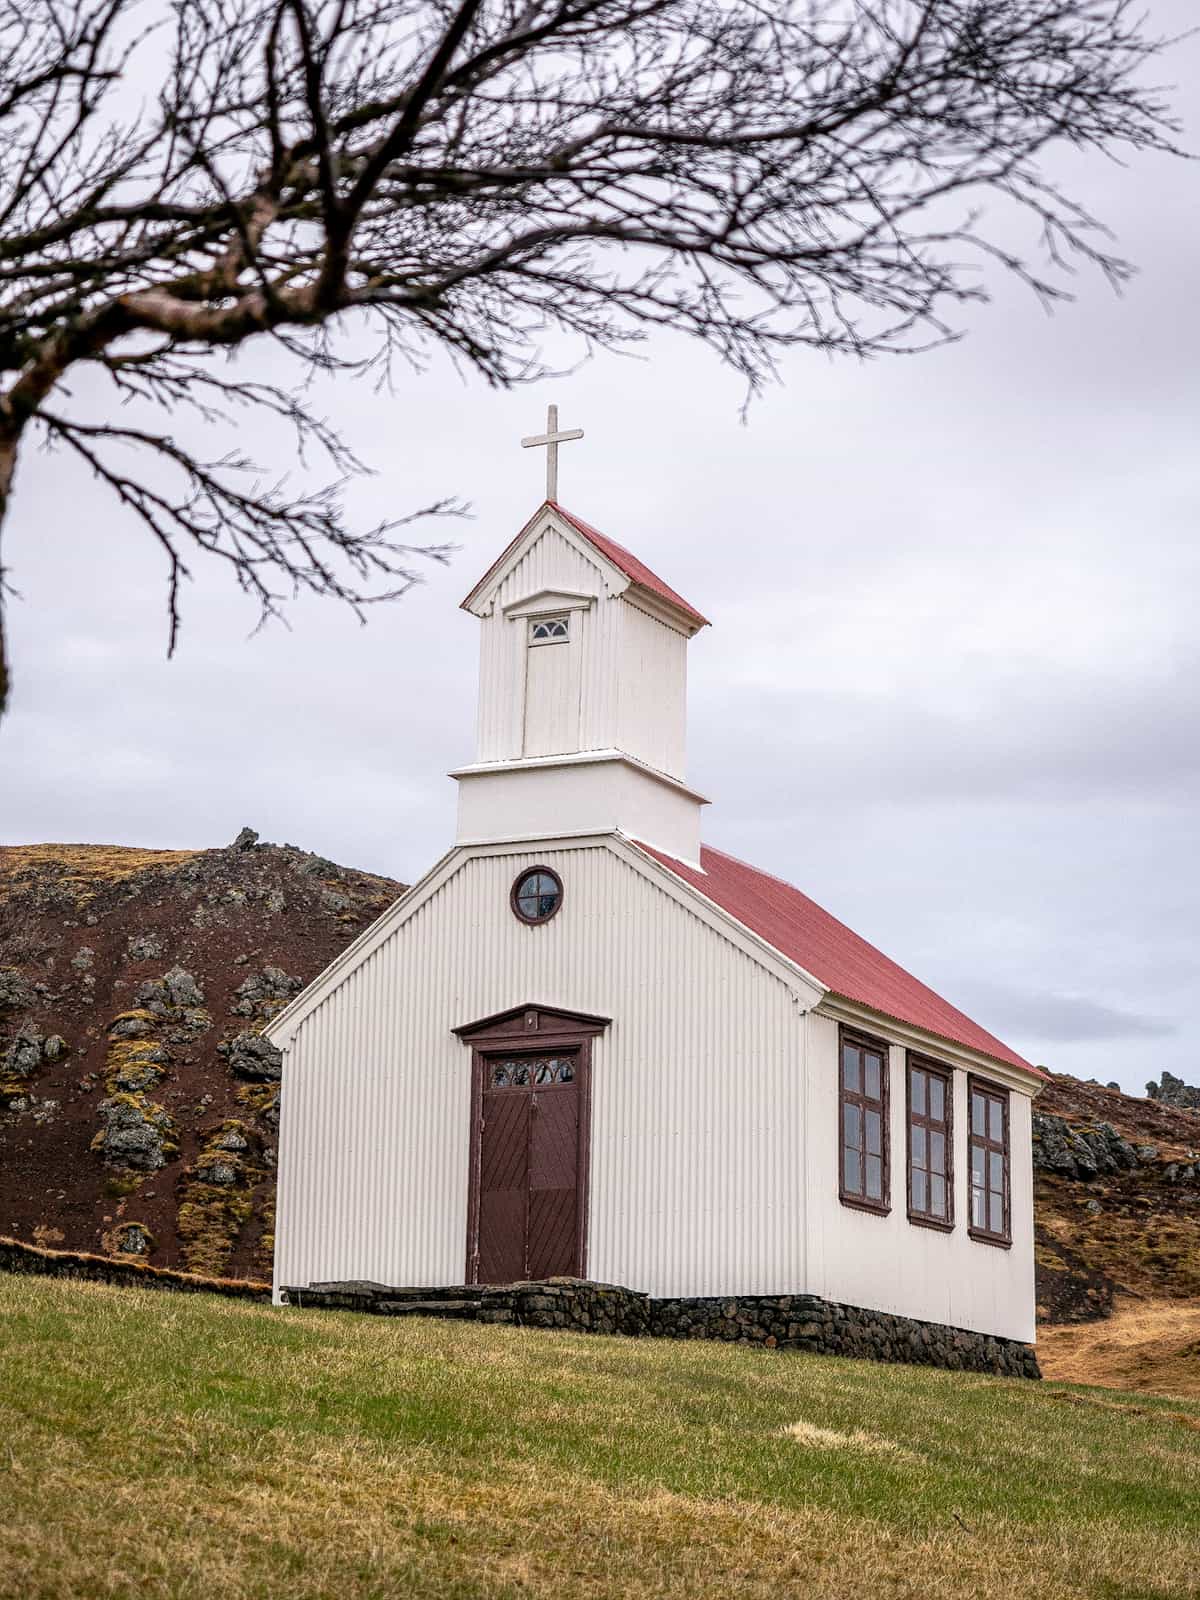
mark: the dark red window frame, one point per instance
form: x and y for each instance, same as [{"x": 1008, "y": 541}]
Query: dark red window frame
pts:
[
  {"x": 864, "y": 1046},
  {"x": 514, "y": 896},
  {"x": 929, "y": 1125},
  {"x": 984, "y": 1145}
]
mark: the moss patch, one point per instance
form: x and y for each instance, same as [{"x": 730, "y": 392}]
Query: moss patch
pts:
[{"x": 217, "y": 1197}]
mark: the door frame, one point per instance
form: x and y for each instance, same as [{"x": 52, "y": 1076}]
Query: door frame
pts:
[{"x": 531, "y": 1030}]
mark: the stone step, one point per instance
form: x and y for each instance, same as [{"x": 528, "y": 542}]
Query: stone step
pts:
[
  {"x": 458, "y": 1302},
  {"x": 455, "y": 1310},
  {"x": 387, "y": 1291}
]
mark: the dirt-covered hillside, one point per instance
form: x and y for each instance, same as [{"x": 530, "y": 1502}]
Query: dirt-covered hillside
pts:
[
  {"x": 138, "y": 1104},
  {"x": 1117, "y": 1193}
]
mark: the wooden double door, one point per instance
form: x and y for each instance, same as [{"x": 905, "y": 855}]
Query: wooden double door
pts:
[{"x": 527, "y": 1210}]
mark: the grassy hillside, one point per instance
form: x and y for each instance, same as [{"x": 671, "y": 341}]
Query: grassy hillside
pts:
[
  {"x": 1150, "y": 1345},
  {"x": 156, "y": 1445}
]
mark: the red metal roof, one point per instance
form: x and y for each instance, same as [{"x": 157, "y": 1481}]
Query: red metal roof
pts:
[
  {"x": 845, "y": 964},
  {"x": 629, "y": 563}
]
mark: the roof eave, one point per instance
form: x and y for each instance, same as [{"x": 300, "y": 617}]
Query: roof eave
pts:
[{"x": 1011, "y": 1068}]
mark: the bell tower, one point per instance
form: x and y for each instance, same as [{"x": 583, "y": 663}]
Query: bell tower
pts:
[{"x": 582, "y": 691}]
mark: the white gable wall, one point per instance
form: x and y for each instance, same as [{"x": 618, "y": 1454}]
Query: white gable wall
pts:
[
  {"x": 858, "y": 1258},
  {"x": 697, "y": 1086}
]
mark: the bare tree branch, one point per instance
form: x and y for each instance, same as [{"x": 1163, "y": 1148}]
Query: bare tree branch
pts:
[{"x": 470, "y": 174}]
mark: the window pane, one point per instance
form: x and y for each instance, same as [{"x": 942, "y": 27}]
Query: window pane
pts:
[
  {"x": 937, "y": 1099},
  {"x": 852, "y": 1126},
  {"x": 919, "y": 1191},
  {"x": 978, "y": 1165},
  {"x": 937, "y": 1197},
  {"x": 556, "y": 628},
  {"x": 997, "y": 1214},
  {"x": 874, "y": 1069},
  {"x": 978, "y": 1208},
  {"x": 874, "y": 1178},
  {"x": 918, "y": 1146},
  {"x": 874, "y": 1133},
  {"x": 937, "y": 1152},
  {"x": 853, "y": 1172},
  {"x": 918, "y": 1092},
  {"x": 978, "y": 1114},
  {"x": 996, "y": 1121},
  {"x": 996, "y": 1172},
  {"x": 850, "y": 1069}
]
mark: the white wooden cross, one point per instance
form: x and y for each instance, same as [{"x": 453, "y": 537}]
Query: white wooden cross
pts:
[{"x": 552, "y": 439}]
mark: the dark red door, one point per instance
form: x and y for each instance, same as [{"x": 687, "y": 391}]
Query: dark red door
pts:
[{"x": 528, "y": 1169}]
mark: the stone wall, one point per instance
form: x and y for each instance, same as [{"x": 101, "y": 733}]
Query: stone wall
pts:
[
  {"x": 806, "y": 1322},
  {"x": 572, "y": 1303},
  {"x": 777, "y": 1322},
  {"x": 24, "y": 1258}
]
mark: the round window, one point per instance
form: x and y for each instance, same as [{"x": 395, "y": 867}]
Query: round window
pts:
[{"x": 537, "y": 894}]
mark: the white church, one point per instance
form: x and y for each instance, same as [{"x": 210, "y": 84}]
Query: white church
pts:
[{"x": 585, "y": 1044}]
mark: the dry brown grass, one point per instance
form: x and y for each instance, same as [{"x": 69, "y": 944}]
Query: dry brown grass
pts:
[
  {"x": 159, "y": 1446},
  {"x": 1150, "y": 1346},
  {"x": 83, "y": 867}
]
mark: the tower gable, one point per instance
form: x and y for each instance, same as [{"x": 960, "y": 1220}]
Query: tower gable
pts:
[{"x": 583, "y": 660}]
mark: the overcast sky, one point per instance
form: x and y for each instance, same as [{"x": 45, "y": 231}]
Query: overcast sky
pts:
[{"x": 950, "y": 689}]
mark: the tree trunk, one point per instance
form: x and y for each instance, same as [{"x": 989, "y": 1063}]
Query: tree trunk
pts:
[{"x": 8, "y": 463}]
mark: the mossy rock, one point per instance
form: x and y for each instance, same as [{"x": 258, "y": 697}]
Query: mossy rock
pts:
[
  {"x": 129, "y": 1239},
  {"x": 132, "y": 1066},
  {"x": 133, "y": 1024},
  {"x": 261, "y": 1100},
  {"x": 135, "y": 1133}
]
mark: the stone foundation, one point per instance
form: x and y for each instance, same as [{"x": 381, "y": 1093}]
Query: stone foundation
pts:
[
  {"x": 806, "y": 1322},
  {"x": 777, "y": 1322}
]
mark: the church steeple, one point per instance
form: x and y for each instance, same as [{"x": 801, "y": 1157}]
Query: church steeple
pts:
[{"x": 582, "y": 692}]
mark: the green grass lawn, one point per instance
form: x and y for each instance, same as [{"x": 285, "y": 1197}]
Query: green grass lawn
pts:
[{"x": 157, "y": 1444}]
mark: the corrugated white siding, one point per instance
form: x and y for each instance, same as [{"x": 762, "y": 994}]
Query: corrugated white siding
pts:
[
  {"x": 890, "y": 1263},
  {"x": 653, "y": 693},
  {"x": 697, "y": 1088},
  {"x": 552, "y": 697}
]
